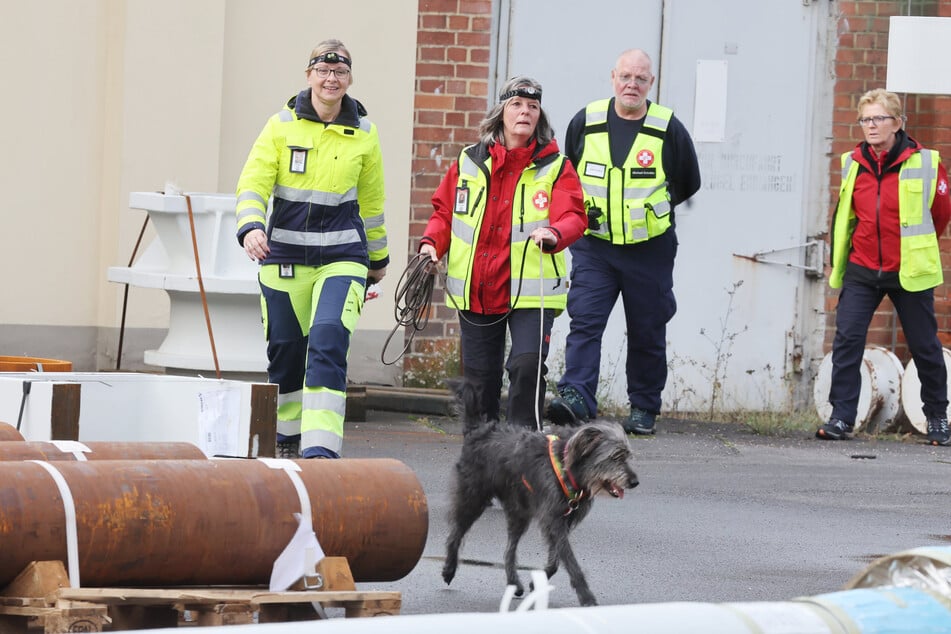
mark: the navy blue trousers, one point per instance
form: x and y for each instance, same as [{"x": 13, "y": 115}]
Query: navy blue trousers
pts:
[
  {"x": 483, "y": 353},
  {"x": 643, "y": 275},
  {"x": 857, "y": 304}
]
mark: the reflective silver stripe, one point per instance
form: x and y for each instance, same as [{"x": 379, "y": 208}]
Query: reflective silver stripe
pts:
[
  {"x": 324, "y": 400},
  {"x": 306, "y": 239},
  {"x": 638, "y": 216},
  {"x": 847, "y": 166},
  {"x": 656, "y": 122},
  {"x": 662, "y": 208},
  {"x": 467, "y": 166},
  {"x": 635, "y": 193},
  {"x": 520, "y": 234},
  {"x": 462, "y": 231},
  {"x": 290, "y": 397},
  {"x": 592, "y": 118},
  {"x": 602, "y": 230},
  {"x": 365, "y": 125},
  {"x": 314, "y": 196},
  {"x": 250, "y": 195},
  {"x": 597, "y": 191},
  {"x": 533, "y": 287},
  {"x": 542, "y": 171},
  {"x": 455, "y": 285},
  {"x": 288, "y": 427},
  {"x": 250, "y": 211},
  {"x": 321, "y": 438},
  {"x": 373, "y": 221},
  {"x": 924, "y": 228},
  {"x": 376, "y": 245},
  {"x": 926, "y": 173},
  {"x": 285, "y": 116}
]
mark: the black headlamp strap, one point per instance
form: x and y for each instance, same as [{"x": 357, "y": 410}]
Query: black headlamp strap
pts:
[
  {"x": 331, "y": 58},
  {"x": 526, "y": 92}
]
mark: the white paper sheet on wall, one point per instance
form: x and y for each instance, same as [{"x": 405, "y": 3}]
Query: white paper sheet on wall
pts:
[
  {"x": 918, "y": 50},
  {"x": 709, "y": 111},
  {"x": 218, "y": 422}
]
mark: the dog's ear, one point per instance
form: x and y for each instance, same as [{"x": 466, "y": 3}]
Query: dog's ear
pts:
[{"x": 582, "y": 443}]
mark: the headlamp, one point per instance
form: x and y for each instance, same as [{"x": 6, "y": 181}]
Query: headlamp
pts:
[
  {"x": 528, "y": 92},
  {"x": 331, "y": 58}
]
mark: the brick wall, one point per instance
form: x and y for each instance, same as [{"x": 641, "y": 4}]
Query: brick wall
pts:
[
  {"x": 860, "y": 65},
  {"x": 452, "y": 71}
]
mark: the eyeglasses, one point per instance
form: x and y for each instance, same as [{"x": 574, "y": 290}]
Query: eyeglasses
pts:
[
  {"x": 878, "y": 120},
  {"x": 627, "y": 78},
  {"x": 341, "y": 73}
]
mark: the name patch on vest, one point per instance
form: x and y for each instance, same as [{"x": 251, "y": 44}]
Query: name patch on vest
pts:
[
  {"x": 643, "y": 172},
  {"x": 298, "y": 161},
  {"x": 462, "y": 200},
  {"x": 596, "y": 170}
]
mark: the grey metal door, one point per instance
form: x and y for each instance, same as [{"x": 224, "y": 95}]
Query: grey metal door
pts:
[{"x": 746, "y": 78}]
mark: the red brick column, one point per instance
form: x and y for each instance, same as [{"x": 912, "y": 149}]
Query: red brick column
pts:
[
  {"x": 860, "y": 65},
  {"x": 452, "y": 70}
]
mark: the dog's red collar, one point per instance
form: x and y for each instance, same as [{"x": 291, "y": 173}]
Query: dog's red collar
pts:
[{"x": 565, "y": 479}]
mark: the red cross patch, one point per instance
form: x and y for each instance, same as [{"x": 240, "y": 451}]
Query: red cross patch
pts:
[
  {"x": 645, "y": 158},
  {"x": 540, "y": 199},
  {"x": 942, "y": 187}
]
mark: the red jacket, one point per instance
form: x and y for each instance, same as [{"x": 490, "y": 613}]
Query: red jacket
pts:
[
  {"x": 876, "y": 241},
  {"x": 491, "y": 275}
]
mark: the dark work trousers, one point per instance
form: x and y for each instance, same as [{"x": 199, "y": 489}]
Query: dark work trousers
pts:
[
  {"x": 483, "y": 351},
  {"x": 857, "y": 304},
  {"x": 643, "y": 275}
]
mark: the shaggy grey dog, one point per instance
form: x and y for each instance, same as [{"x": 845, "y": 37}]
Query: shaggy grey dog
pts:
[{"x": 552, "y": 479}]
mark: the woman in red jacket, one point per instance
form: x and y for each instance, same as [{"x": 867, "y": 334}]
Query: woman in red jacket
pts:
[
  {"x": 893, "y": 205},
  {"x": 505, "y": 212}
]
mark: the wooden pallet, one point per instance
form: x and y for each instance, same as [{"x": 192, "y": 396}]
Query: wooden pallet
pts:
[{"x": 63, "y": 609}]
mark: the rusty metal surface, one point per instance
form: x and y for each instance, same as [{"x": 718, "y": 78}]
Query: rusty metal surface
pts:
[
  {"x": 208, "y": 522},
  {"x": 9, "y": 432},
  {"x": 38, "y": 450}
]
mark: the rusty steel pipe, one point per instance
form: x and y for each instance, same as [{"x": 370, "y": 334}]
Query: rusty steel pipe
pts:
[
  {"x": 50, "y": 451},
  {"x": 209, "y": 522},
  {"x": 9, "y": 432}
]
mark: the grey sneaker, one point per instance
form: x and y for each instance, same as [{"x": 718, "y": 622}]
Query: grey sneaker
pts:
[
  {"x": 938, "y": 433},
  {"x": 289, "y": 448},
  {"x": 835, "y": 429},
  {"x": 640, "y": 422},
  {"x": 568, "y": 409}
]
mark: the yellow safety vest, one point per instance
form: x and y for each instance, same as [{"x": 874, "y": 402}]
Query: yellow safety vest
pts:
[
  {"x": 920, "y": 267},
  {"x": 541, "y": 274},
  {"x": 633, "y": 198}
]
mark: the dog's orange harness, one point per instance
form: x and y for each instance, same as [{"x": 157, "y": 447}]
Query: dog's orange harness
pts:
[{"x": 569, "y": 486}]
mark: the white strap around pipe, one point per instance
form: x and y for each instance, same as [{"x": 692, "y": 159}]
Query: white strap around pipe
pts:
[
  {"x": 72, "y": 541},
  {"x": 78, "y": 449}
]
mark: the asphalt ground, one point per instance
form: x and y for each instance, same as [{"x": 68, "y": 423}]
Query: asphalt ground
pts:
[{"x": 721, "y": 515}]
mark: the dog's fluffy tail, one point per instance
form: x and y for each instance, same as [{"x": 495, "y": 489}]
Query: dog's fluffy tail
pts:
[{"x": 469, "y": 403}]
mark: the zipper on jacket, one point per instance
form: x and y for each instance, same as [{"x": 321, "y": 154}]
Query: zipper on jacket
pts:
[
  {"x": 878, "y": 224},
  {"x": 521, "y": 213},
  {"x": 478, "y": 198},
  {"x": 608, "y": 216},
  {"x": 554, "y": 265}
]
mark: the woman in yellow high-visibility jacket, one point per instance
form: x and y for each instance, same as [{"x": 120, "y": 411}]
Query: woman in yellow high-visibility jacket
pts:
[{"x": 318, "y": 160}]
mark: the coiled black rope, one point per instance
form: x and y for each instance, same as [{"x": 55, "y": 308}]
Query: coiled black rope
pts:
[{"x": 414, "y": 297}]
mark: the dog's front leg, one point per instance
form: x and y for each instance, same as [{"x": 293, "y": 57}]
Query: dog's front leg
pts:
[{"x": 560, "y": 548}]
